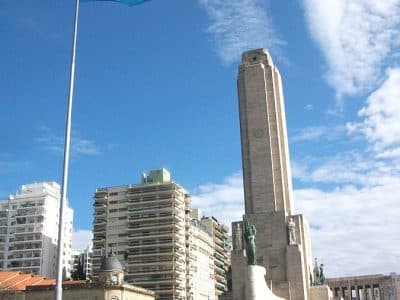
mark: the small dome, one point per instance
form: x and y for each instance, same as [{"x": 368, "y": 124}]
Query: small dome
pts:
[{"x": 111, "y": 263}]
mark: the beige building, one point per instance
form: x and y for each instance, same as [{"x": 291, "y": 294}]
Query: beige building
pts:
[
  {"x": 200, "y": 263},
  {"x": 365, "y": 287},
  {"x": 145, "y": 224},
  {"x": 219, "y": 233},
  {"x": 110, "y": 286},
  {"x": 29, "y": 230},
  {"x": 282, "y": 239},
  {"x": 161, "y": 246}
]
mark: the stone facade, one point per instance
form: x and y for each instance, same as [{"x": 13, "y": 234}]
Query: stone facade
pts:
[
  {"x": 318, "y": 292},
  {"x": 374, "y": 287},
  {"x": 91, "y": 292},
  {"x": 282, "y": 240}
]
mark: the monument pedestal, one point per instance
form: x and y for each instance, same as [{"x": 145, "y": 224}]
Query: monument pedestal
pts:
[
  {"x": 321, "y": 292},
  {"x": 256, "y": 286}
]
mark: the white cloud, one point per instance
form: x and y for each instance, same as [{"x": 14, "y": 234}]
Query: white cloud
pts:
[
  {"x": 239, "y": 25},
  {"x": 354, "y": 218},
  {"x": 308, "y": 107},
  {"x": 350, "y": 197},
  {"x": 354, "y": 230},
  {"x": 84, "y": 146},
  {"x": 392, "y": 153},
  {"x": 309, "y": 133},
  {"x": 81, "y": 239},
  {"x": 9, "y": 164},
  {"x": 223, "y": 200},
  {"x": 353, "y": 206},
  {"x": 381, "y": 114},
  {"x": 318, "y": 133},
  {"x": 339, "y": 169},
  {"x": 357, "y": 39},
  {"x": 353, "y": 226},
  {"x": 79, "y": 146}
]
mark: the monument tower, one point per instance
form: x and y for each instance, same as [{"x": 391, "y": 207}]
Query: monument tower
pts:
[{"x": 282, "y": 241}]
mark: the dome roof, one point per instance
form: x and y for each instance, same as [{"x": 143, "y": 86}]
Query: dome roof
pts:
[{"x": 111, "y": 263}]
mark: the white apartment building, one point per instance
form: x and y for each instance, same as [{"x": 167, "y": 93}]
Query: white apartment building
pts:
[
  {"x": 200, "y": 263},
  {"x": 145, "y": 226},
  {"x": 219, "y": 233},
  {"x": 29, "y": 230},
  {"x": 81, "y": 261}
]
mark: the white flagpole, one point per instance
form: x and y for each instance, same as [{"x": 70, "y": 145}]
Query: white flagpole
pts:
[{"x": 60, "y": 248}]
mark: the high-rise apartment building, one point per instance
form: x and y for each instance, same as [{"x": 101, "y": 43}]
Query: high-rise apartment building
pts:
[
  {"x": 81, "y": 261},
  {"x": 162, "y": 244},
  {"x": 145, "y": 225},
  {"x": 219, "y": 233},
  {"x": 29, "y": 230},
  {"x": 200, "y": 262}
]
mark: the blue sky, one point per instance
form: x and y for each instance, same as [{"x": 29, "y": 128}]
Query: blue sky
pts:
[{"x": 156, "y": 87}]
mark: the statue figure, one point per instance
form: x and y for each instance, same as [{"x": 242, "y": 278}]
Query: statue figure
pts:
[
  {"x": 250, "y": 235},
  {"x": 291, "y": 225},
  {"x": 319, "y": 277},
  {"x": 238, "y": 237}
]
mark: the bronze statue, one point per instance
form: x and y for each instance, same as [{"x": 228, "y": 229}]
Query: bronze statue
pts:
[
  {"x": 319, "y": 277},
  {"x": 250, "y": 235}
]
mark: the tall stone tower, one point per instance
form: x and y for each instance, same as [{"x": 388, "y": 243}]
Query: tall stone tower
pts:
[{"x": 282, "y": 239}]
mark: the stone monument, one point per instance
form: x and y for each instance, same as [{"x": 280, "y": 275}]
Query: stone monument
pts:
[
  {"x": 319, "y": 290},
  {"x": 283, "y": 245},
  {"x": 256, "y": 287},
  {"x": 319, "y": 277}
]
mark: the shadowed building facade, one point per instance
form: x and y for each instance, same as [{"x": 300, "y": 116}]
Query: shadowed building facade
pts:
[{"x": 282, "y": 239}]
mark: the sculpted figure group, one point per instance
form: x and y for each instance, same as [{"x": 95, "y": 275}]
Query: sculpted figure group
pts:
[{"x": 319, "y": 277}]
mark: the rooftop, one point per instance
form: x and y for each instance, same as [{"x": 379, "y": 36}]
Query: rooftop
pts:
[{"x": 18, "y": 281}]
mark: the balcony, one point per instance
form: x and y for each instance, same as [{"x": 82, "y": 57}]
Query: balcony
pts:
[
  {"x": 100, "y": 202},
  {"x": 154, "y": 252},
  {"x": 23, "y": 212},
  {"x": 152, "y": 234},
  {"x": 27, "y": 239},
  {"x": 153, "y": 272},
  {"x": 154, "y": 188},
  {"x": 145, "y": 226},
  {"x": 151, "y": 208},
  {"x": 99, "y": 238},
  {"x": 151, "y": 261},
  {"x": 151, "y": 244},
  {"x": 99, "y": 221},
  {"x": 155, "y": 216},
  {"x": 20, "y": 258},
  {"x": 100, "y": 211},
  {"x": 26, "y": 246},
  {"x": 99, "y": 224}
]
